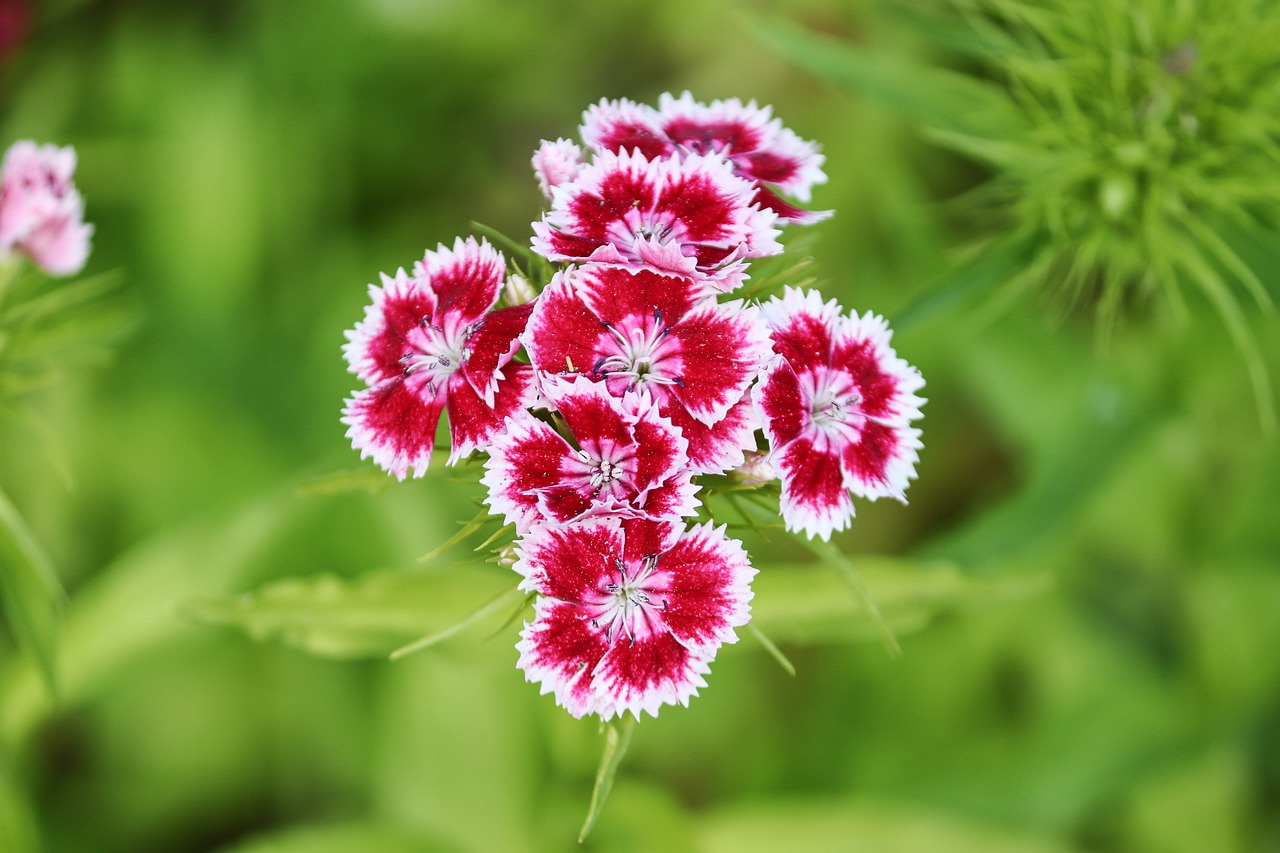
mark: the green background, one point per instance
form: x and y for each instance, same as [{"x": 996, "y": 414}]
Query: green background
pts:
[{"x": 1085, "y": 585}]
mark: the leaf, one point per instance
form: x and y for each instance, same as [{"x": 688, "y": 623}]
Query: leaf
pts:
[
  {"x": 368, "y": 616},
  {"x": 837, "y": 559},
  {"x": 615, "y": 748},
  {"x": 19, "y": 829},
  {"x": 808, "y": 603},
  {"x": 992, "y": 267},
  {"x": 493, "y": 605},
  {"x": 33, "y": 598},
  {"x": 513, "y": 246},
  {"x": 882, "y": 826},
  {"x": 776, "y": 653},
  {"x": 940, "y": 99},
  {"x": 340, "y": 838},
  {"x": 130, "y": 607},
  {"x": 368, "y": 479},
  {"x": 61, "y": 300}
]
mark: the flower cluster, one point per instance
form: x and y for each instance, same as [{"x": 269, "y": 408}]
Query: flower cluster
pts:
[
  {"x": 607, "y": 396},
  {"x": 41, "y": 214}
]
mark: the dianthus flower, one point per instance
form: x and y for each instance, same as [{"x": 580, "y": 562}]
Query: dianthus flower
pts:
[
  {"x": 837, "y": 404},
  {"x": 641, "y": 328},
  {"x": 41, "y": 214},
  {"x": 556, "y": 163},
  {"x": 628, "y": 459},
  {"x": 760, "y": 149},
  {"x": 630, "y": 612},
  {"x": 430, "y": 341},
  {"x": 686, "y": 214}
]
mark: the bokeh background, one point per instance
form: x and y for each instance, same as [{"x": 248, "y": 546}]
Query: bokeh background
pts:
[{"x": 1085, "y": 585}]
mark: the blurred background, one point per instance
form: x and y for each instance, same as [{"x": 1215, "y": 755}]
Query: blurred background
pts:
[{"x": 1085, "y": 585}]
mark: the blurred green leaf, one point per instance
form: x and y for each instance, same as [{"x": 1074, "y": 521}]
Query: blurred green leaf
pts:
[
  {"x": 1196, "y": 805},
  {"x": 990, "y": 269},
  {"x": 18, "y": 827},
  {"x": 341, "y": 838},
  {"x": 132, "y": 606},
  {"x": 811, "y": 603},
  {"x": 368, "y": 616},
  {"x": 366, "y": 479},
  {"x": 53, "y": 300},
  {"x": 859, "y": 824},
  {"x": 938, "y": 98},
  {"x": 33, "y": 598}
]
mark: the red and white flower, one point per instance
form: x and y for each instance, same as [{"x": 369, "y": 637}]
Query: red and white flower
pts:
[
  {"x": 556, "y": 163},
  {"x": 630, "y": 613},
  {"x": 628, "y": 460},
  {"x": 771, "y": 156},
  {"x": 41, "y": 214},
  {"x": 689, "y": 215},
  {"x": 430, "y": 342},
  {"x": 640, "y": 328},
  {"x": 837, "y": 404}
]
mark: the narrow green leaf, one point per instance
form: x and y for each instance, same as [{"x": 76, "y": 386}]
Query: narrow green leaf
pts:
[
  {"x": 1213, "y": 242},
  {"x": 616, "y": 740},
  {"x": 33, "y": 598},
  {"x": 368, "y": 479},
  {"x": 479, "y": 614},
  {"x": 806, "y": 604},
  {"x": 992, "y": 267},
  {"x": 776, "y": 653},
  {"x": 131, "y": 606},
  {"x": 60, "y": 300},
  {"x": 371, "y": 615},
  {"x": 511, "y": 245},
  {"x": 837, "y": 559},
  {"x": 938, "y": 98},
  {"x": 468, "y": 528},
  {"x": 1212, "y": 285}
]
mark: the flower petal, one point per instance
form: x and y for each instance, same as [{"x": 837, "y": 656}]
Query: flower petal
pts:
[
  {"x": 706, "y": 585},
  {"x": 722, "y": 350},
  {"x": 394, "y": 425},
  {"x": 787, "y": 213},
  {"x": 563, "y": 334},
  {"x": 802, "y": 327},
  {"x": 467, "y": 279},
  {"x": 781, "y": 404},
  {"x": 570, "y": 562},
  {"x": 882, "y": 462},
  {"x": 560, "y": 651},
  {"x": 648, "y": 673},
  {"x": 491, "y": 346},
  {"x": 395, "y": 309},
  {"x": 556, "y": 163},
  {"x": 886, "y": 383},
  {"x": 623, "y": 125},
  {"x": 472, "y": 422},
  {"x": 717, "y": 448},
  {"x": 815, "y": 499},
  {"x": 525, "y": 458}
]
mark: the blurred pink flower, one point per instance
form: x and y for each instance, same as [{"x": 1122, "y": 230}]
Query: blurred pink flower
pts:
[{"x": 41, "y": 214}]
